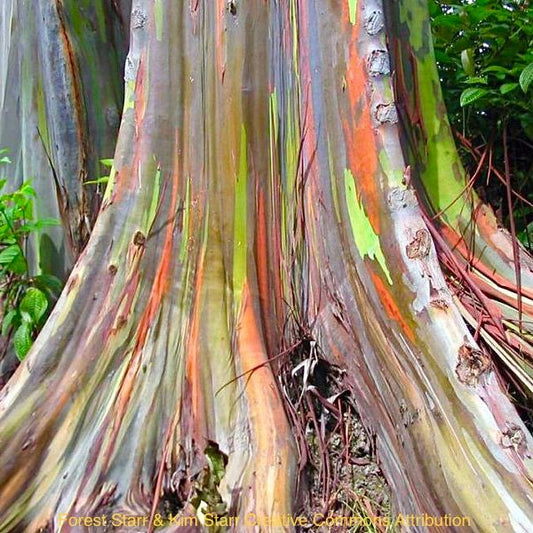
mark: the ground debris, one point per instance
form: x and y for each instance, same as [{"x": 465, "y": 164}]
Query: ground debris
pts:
[{"x": 342, "y": 487}]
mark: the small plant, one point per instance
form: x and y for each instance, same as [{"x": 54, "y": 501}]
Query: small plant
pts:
[
  {"x": 26, "y": 300},
  {"x": 108, "y": 164},
  {"x": 207, "y": 499}
]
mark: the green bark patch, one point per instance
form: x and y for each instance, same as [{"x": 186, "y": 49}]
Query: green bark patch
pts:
[
  {"x": 352, "y": 7},
  {"x": 239, "y": 231},
  {"x": 366, "y": 240},
  {"x": 158, "y": 13}
]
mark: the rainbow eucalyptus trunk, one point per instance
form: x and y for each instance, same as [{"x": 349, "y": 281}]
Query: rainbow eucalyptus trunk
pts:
[
  {"x": 491, "y": 272},
  {"x": 259, "y": 190},
  {"x": 61, "y": 93}
]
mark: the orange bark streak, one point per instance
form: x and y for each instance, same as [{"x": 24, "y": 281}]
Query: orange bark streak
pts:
[
  {"x": 358, "y": 129},
  {"x": 266, "y": 414},
  {"x": 389, "y": 304},
  {"x": 221, "y": 8},
  {"x": 140, "y": 94},
  {"x": 193, "y": 353}
]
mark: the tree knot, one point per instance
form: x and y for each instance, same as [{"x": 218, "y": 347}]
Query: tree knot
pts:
[
  {"x": 139, "y": 238},
  {"x": 420, "y": 246},
  {"x": 386, "y": 113},
  {"x": 232, "y": 7},
  {"x": 514, "y": 437},
  {"x": 472, "y": 365}
]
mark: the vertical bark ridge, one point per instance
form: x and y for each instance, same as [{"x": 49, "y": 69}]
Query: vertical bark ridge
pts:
[{"x": 404, "y": 358}]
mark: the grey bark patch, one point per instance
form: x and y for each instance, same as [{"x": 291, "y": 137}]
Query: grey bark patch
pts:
[
  {"x": 472, "y": 365},
  {"x": 386, "y": 113},
  {"x": 374, "y": 22},
  {"x": 420, "y": 246},
  {"x": 130, "y": 68},
  {"x": 138, "y": 19},
  {"x": 400, "y": 198},
  {"x": 111, "y": 116},
  {"x": 378, "y": 63}
]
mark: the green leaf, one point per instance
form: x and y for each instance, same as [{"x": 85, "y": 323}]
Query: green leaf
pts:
[
  {"x": 103, "y": 179},
  {"x": 27, "y": 189},
  {"x": 47, "y": 282},
  {"x": 8, "y": 321},
  {"x": 18, "y": 265},
  {"x": 107, "y": 162},
  {"x": 9, "y": 254},
  {"x": 46, "y": 222},
  {"x": 22, "y": 340},
  {"x": 496, "y": 68},
  {"x": 26, "y": 318},
  {"x": 526, "y": 77},
  {"x": 477, "y": 79},
  {"x": 508, "y": 87},
  {"x": 217, "y": 461},
  {"x": 467, "y": 60},
  {"x": 5, "y": 159},
  {"x": 34, "y": 303},
  {"x": 471, "y": 95}
]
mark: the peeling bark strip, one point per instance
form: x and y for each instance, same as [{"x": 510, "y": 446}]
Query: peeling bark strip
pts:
[{"x": 256, "y": 193}]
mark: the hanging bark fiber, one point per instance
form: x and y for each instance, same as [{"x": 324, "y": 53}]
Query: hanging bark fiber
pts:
[{"x": 259, "y": 182}]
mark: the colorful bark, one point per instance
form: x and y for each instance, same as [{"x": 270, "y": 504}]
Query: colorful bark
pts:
[
  {"x": 168, "y": 288},
  {"x": 258, "y": 191},
  {"x": 405, "y": 371},
  {"x": 61, "y": 97},
  {"x": 496, "y": 263}
]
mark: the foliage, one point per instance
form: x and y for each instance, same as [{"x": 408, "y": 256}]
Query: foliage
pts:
[
  {"x": 26, "y": 299},
  {"x": 484, "y": 51},
  {"x": 108, "y": 164},
  {"x": 207, "y": 498}
]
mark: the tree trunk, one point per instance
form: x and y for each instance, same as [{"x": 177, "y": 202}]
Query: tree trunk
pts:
[
  {"x": 487, "y": 257},
  {"x": 60, "y": 105},
  {"x": 259, "y": 191}
]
